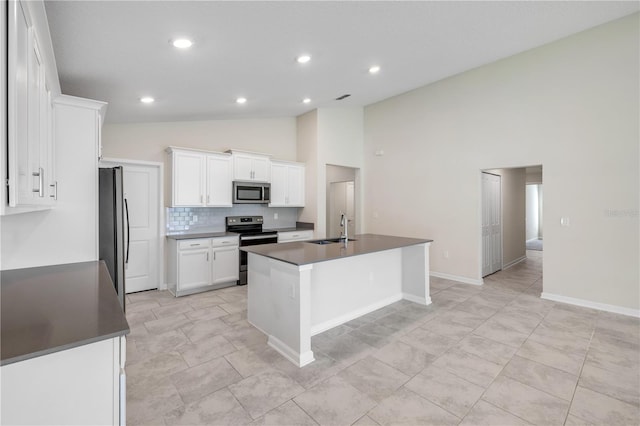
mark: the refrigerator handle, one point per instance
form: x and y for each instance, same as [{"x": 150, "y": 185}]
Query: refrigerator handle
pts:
[{"x": 126, "y": 209}]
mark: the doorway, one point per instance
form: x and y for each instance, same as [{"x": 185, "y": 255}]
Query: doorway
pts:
[
  {"x": 142, "y": 183},
  {"x": 341, "y": 199}
]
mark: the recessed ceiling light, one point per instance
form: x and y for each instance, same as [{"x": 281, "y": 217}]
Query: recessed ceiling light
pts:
[
  {"x": 374, "y": 69},
  {"x": 303, "y": 59},
  {"x": 241, "y": 100},
  {"x": 147, "y": 100},
  {"x": 306, "y": 101},
  {"x": 182, "y": 43}
]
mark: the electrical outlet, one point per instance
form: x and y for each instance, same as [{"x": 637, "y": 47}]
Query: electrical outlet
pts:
[
  {"x": 446, "y": 254},
  {"x": 275, "y": 216}
]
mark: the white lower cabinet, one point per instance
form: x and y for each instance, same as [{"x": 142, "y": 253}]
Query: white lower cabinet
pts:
[
  {"x": 78, "y": 386},
  {"x": 202, "y": 264},
  {"x": 288, "y": 236}
]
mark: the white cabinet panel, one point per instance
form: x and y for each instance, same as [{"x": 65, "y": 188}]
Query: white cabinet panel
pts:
[
  {"x": 219, "y": 181},
  {"x": 78, "y": 386},
  {"x": 200, "y": 179},
  {"x": 287, "y": 184},
  {"x": 202, "y": 264},
  {"x": 30, "y": 149},
  {"x": 194, "y": 269},
  {"x": 225, "y": 265},
  {"x": 251, "y": 167},
  {"x": 188, "y": 179}
]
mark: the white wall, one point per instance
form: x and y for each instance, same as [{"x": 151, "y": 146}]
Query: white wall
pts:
[
  {"x": 307, "y": 152},
  {"x": 147, "y": 141},
  {"x": 571, "y": 106},
  {"x": 328, "y": 136}
]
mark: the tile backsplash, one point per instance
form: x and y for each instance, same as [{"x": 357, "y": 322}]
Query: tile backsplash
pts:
[{"x": 194, "y": 219}]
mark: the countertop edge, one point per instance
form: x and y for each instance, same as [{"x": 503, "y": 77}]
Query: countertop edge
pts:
[
  {"x": 417, "y": 241},
  {"x": 52, "y": 350}
]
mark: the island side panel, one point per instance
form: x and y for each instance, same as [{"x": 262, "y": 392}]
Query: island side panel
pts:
[
  {"x": 279, "y": 305},
  {"x": 345, "y": 289},
  {"x": 415, "y": 273}
]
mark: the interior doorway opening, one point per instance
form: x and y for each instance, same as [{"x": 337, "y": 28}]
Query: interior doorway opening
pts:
[
  {"x": 341, "y": 199},
  {"x": 511, "y": 217}
]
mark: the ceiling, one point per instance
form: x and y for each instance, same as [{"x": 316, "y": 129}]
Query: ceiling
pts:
[{"x": 120, "y": 51}]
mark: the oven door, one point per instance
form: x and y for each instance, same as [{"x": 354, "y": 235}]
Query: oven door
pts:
[{"x": 252, "y": 240}]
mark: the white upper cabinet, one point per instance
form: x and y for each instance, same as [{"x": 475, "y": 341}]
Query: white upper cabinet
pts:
[
  {"x": 251, "y": 167},
  {"x": 200, "y": 179},
  {"x": 219, "y": 180},
  {"x": 287, "y": 184},
  {"x": 30, "y": 153},
  {"x": 188, "y": 178}
]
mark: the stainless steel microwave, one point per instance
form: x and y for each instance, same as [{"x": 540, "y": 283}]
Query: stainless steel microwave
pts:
[{"x": 251, "y": 193}]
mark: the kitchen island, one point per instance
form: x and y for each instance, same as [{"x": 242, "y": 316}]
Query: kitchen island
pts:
[{"x": 300, "y": 289}]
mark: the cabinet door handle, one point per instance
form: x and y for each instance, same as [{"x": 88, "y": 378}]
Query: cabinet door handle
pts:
[
  {"x": 208, "y": 199},
  {"x": 201, "y": 199},
  {"x": 207, "y": 256},
  {"x": 55, "y": 190},
  {"x": 40, "y": 175},
  {"x": 214, "y": 255}
]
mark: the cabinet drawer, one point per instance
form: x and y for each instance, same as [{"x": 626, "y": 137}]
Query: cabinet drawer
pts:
[
  {"x": 194, "y": 244},
  {"x": 224, "y": 242},
  {"x": 284, "y": 237}
]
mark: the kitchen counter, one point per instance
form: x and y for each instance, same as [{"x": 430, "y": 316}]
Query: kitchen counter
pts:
[
  {"x": 304, "y": 253},
  {"x": 300, "y": 226},
  {"x": 205, "y": 234},
  {"x": 54, "y": 308}
]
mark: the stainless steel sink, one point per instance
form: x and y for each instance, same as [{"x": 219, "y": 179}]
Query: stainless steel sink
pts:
[{"x": 328, "y": 241}]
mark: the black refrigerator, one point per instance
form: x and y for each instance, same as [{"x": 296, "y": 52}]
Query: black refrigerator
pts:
[{"x": 113, "y": 227}]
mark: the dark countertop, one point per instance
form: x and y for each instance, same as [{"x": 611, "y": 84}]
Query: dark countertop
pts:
[
  {"x": 304, "y": 253},
  {"x": 54, "y": 308},
  {"x": 300, "y": 226},
  {"x": 205, "y": 234}
]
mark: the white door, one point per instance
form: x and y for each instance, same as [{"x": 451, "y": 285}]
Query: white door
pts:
[
  {"x": 491, "y": 224},
  {"x": 141, "y": 193}
]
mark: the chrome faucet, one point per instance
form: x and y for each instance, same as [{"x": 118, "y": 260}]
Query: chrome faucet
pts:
[{"x": 344, "y": 223}]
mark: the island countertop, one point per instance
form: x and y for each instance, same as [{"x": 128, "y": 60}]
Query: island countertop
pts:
[
  {"x": 305, "y": 252},
  {"x": 53, "y": 308}
]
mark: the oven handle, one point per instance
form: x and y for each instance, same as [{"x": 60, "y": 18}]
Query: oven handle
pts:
[{"x": 257, "y": 237}]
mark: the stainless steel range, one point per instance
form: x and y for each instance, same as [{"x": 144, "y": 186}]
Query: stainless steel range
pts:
[{"x": 251, "y": 234}]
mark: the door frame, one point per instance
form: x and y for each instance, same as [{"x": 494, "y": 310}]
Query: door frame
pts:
[{"x": 110, "y": 161}]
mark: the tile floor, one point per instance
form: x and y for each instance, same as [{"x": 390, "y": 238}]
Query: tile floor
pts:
[{"x": 479, "y": 355}]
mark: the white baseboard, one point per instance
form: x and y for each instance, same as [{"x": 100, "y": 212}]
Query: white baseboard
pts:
[
  {"x": 465, "y": 280},
  {"x": 327, "y": 325},
  {"x": 593, "y": 305},
  {"x": 514, "y": 262},
  {"x": 417, "y": 299},
  {"x": 298, "y": 359}
]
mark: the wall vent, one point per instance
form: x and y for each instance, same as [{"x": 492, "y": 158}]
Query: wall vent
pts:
[{"x": 339, "y": 98}]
